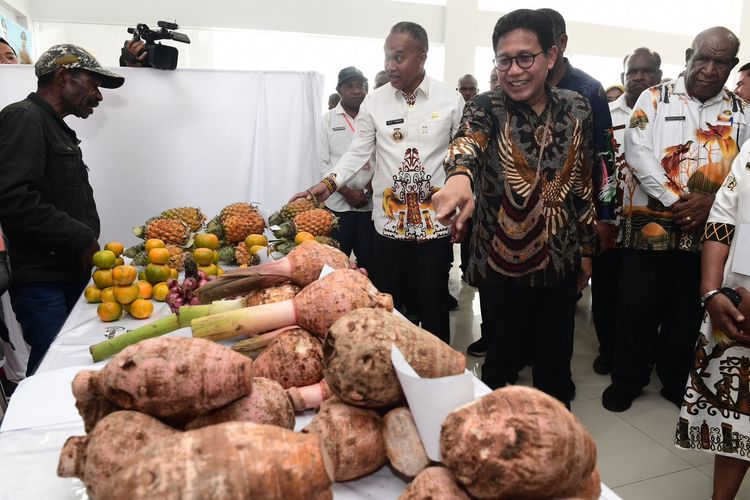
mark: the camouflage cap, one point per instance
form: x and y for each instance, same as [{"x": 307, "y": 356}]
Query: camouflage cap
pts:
[{"x": 71, "y": 56}]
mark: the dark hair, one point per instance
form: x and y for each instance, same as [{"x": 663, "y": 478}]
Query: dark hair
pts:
[
  {"x": 527, "y": 19},
  {"x": 413, "y": 30},
  {"x": 3, "y": 40},
  {"x": 558, "y": 22},
  {"x": 642, "y": 50},
  {"x": 744, "y": 67}
]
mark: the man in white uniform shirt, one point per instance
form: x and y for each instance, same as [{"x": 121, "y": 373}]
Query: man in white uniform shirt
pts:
[
  {"x": 408, "y": 123},
  {"x": 352, "y": 204}
]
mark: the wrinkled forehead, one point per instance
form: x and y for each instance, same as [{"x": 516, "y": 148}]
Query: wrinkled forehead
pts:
[{"x": 714, "y": 45}]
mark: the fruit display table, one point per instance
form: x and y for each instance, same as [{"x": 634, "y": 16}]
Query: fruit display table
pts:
[{"x": 41, "y": 416}]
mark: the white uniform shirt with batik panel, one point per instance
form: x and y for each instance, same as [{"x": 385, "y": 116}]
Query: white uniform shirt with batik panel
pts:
[
  {"x": 626, "y": 182},
  {"x": 336, "y": 134},
  {"x": 675, "y": 144},
  {"x": 410, "y": 140}
]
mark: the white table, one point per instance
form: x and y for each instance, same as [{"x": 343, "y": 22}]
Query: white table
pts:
[{"x": 41, "y": 416}]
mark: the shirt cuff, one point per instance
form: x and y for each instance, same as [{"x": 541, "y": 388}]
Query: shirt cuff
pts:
[{"x": 668, "y": 198}]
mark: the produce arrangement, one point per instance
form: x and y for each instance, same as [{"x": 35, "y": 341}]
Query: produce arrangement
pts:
[{"x": 212, "y": 416}]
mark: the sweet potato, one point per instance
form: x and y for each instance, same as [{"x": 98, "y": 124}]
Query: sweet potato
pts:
[
  {"x": 434, "y": 483},
  {"x": 517, "y": 442},
  {"x": 357, "y": 357},
  {"x": 315, "y": 308},
  {"x": 266, "y": 404},
  {"x": 95, "y": 457},
  {"x": 234, "y": 460},
  {"x": 302, "y": 266},
  {"x": 403, "y": 446},
  {"x": 353, "y": 438},
  {"x": 91, "y": 404},
  {"x": 271, "y": 294},
  {"x": 175, "y": 378},
  {"x": 293, "y": 359}
]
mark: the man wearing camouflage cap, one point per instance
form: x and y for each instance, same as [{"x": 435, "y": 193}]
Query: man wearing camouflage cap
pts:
[{"x": 47, "y": 207}]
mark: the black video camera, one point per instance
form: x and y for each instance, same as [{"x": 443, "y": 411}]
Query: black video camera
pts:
[{"x": 159, "y": 56}]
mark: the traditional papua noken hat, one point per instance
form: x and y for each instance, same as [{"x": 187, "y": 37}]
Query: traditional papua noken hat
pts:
[{"x": 71, "y": 56}]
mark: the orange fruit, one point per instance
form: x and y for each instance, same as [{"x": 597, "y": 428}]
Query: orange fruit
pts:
[
  {"x": 257, "y": 248},
  {"x": 125, "y": 294},
  {"x": 157, "y": 272},
  {"x": 206, "y": 240},
  {"x": 108, "y": 294},
  {"x": 211, "y": 270},
  {"x": 158, "y": 255},
  {"x": 256, "y": 239},
  {"x": 115, "y": 247},
  {"x": 173, "y": 273},
  {"x": 146, "y": 290},
  {"x": 92, "y": 294},
  {"x": 142, "y": 274},
  {"x": 104, "y": 259},
  {"x": 124, "y": 275},
  {"x": 103, "y": 278},
  {"x": 302, "y": 237},
  {"x": 153, "y": 243},
  {"x": 160, "y": 291},
  {"x": 109, "y": 311},
  {"x": 141, "y": 309},
  {"x": 203, "y": 256}
]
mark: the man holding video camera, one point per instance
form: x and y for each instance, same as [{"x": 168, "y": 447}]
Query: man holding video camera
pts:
[{"x": 142, "y": 50}]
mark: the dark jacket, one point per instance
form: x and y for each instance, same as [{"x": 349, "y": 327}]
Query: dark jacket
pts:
[{"x": 47, "y": 207}]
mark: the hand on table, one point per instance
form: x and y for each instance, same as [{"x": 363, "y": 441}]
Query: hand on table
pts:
[{"x": 318, "y": 193}]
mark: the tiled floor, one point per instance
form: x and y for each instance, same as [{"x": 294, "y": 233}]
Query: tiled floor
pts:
[{"x": 637, "y": 457}]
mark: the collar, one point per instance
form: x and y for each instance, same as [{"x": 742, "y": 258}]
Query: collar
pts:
[
  {"x": 38, "y": 100},
  {"x": 339, "y": 110},
  {"x": 620, "y": 103},
  {"x": 424, "y": 86},
  {"x": 680, "y": 88}
]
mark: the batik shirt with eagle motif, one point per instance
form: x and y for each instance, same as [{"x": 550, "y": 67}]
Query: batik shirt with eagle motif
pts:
[
  {"x": 498, "y": 142},
  {"x": 409, "y": 135},
  {"x": 674, "y": 145}
]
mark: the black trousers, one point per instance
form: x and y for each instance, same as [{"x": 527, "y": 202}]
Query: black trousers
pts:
[
  {"x": 605, "y": 277},
  {"x": 466, "y": 247},
  {"x": 659, "y": 291},
  {"x": 540, "y": 320},
  {"x": 355, "y": 233},
  {"x": 416, "y": 274}
]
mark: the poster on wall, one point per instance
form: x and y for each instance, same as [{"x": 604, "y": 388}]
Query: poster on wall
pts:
[{"x": 18, "y": 37}]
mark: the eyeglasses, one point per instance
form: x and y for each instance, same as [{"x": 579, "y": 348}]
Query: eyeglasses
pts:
[{"x": 524, "y": 61}]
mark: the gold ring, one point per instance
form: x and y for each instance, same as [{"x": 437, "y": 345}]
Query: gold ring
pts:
[{"x": 688, "y": 219}]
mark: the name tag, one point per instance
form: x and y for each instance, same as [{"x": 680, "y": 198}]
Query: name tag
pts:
[
  {"x": 336, "y": 129},
  {"x": 674, "y": 119},
  {"x": 394, "y": 122}
]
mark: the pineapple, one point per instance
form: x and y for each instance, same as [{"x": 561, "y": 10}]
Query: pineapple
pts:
[
  {"x": 191, "y": 216},
  {"x": 283, "y": 246},
  {"x": 239, "y": 208},
  {"x": 285, "y": 230},
  {"x": 170, "y": 231},
  {"x": 293, "y": 208},
  {"x": 235, "y": 228},
  {"x": 327, "y": 240},
  {"x": 318, "y": 222},
  {"x": 226, "y": 254},
  {"x": 243, "y": 257},
  {"x": 139, "y": 259},
  {"x": 176, "y": 257}
]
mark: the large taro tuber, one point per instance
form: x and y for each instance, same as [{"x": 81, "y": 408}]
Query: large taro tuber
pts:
[
  {"x": 403, "y": 446},
  {"x": 234, "y": 460},
  {"x": 315, "y": 308},
  {"x": 95, "y": 457},
  {"x": 266, "y": 404},
  {"x": 91, "y": 404},
  {"x": 302, "y": 266},
  {"x": 517, "y": 442},
  {"x": 434, "y": 483},
  {"x": 271, "y": 294},
  {"x": 353, "y": 438},
  {"x": 293, "y": 359},
  {"x": 174, "y": 378},
  {"x": 357, "y": 357}
]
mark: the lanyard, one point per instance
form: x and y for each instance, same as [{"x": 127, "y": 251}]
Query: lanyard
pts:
[{"x": 349, "y": 123}]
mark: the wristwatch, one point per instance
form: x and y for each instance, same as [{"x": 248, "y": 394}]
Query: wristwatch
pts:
[{"x": 728, "y": 292}]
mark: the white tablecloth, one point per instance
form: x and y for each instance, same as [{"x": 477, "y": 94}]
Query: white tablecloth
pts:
[{"x": 41, "y": 416}]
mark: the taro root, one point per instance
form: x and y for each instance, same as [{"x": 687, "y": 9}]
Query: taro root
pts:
[
  {"x": 434, "y": 483},
  {"x": 402, "y": 442},
  {"x": 293, "y": 359}
]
